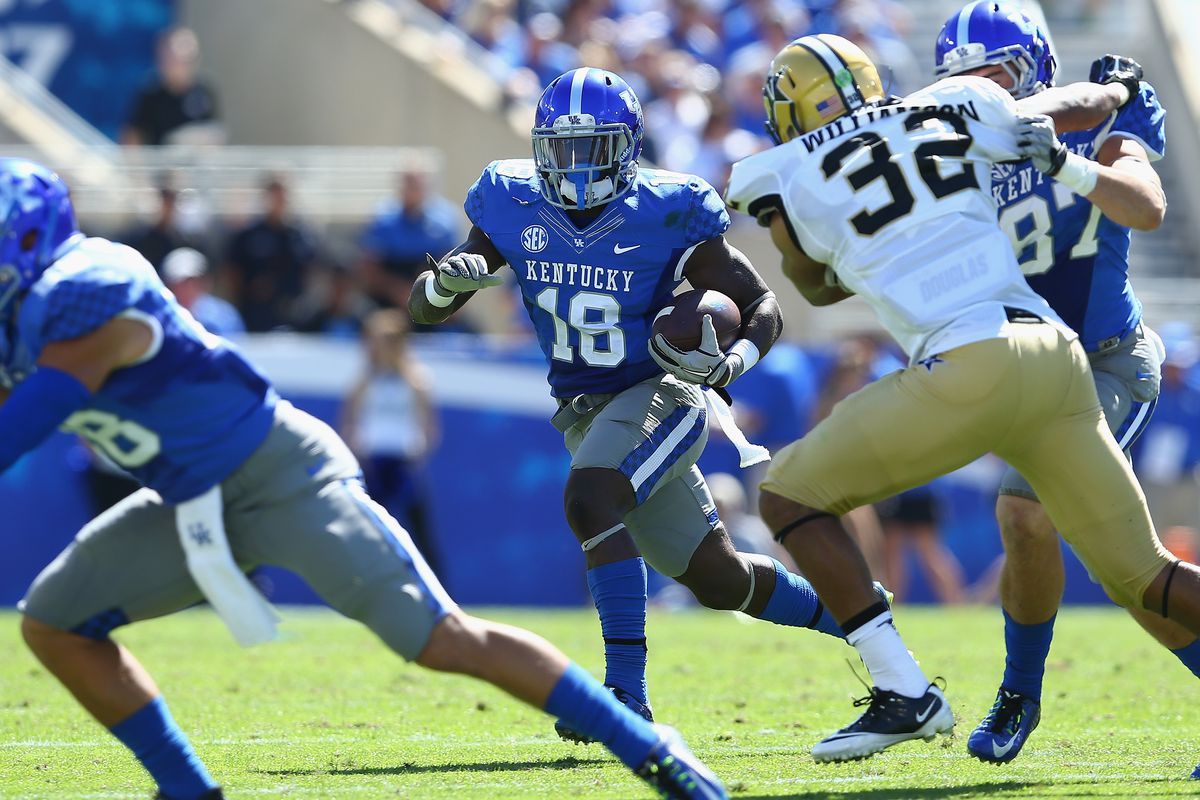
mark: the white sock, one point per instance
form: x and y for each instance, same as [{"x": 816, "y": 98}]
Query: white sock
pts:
[{"x": 891, "y": 665}]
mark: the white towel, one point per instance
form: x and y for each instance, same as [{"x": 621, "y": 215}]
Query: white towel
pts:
[
  {"x": 243, "y": 609},
  {"x": 748, "y": 454}
]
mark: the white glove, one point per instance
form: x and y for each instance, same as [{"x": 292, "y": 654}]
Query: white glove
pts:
[
  {"x": 704, "y": 365},
  {"x": 1038, "y": 141},
  {"x": 463, "y": 272}
]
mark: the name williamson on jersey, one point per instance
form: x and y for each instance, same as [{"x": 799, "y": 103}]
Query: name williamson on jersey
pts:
[{"x": 846, "y": 125}]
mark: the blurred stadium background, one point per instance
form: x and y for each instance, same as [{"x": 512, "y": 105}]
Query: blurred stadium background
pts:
[{"x": 327, "y": 146}]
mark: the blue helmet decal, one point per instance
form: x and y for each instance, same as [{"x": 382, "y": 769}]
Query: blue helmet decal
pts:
[
  {"x": 36, "y": 221},
  {"x": 587, "y": 137},
  {"x": 984, "y": 33}
]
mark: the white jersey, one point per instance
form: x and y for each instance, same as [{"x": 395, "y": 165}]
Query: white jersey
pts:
[{"x": 897, "y": 200}]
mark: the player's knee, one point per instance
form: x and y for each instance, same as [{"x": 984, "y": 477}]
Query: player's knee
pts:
[
  {"x": 456, "y": 644},
  {"x": 779, "y": 512},
  {"x": 41, "y": 638},
  {"x": 596, "y": 500},
  {"x": 1023, "y": 523}
]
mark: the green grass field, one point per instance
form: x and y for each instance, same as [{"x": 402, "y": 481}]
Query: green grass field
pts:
[{"x": 328, "y": 713}]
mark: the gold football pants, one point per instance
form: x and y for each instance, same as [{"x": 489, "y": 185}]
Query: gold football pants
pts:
[{"x": 1030, "y": 399}]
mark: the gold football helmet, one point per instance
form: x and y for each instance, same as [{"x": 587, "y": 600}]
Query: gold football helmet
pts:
[{"x": 815, "y": 80}]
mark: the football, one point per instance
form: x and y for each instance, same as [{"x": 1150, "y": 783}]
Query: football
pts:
[{"x": 680, "y": 322}]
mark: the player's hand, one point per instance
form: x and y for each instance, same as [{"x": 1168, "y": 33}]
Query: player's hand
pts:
[
  {"x": 1037, "y": 141},
  {"x": 704, "y": 365},
  {"x": 1117, "y": 69},
  {"x": 463, "y": 272}
]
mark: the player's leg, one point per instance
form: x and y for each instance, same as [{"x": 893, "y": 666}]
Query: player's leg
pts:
[
  {"x": 896, "y": 433},
  {"x": 620, "y": 450},
  {"x": 308, "y": 516},
  {"x": 1031, "y": 586},
  {"x": 534, "y": 671},
  {"x": 124, "y": 566},
  {"x": 677, "y": 531},
  {"x": 1067, "y": 453}
]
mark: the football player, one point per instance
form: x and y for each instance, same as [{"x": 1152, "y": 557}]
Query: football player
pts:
[
  {"x": 1072, "y": 243},
  {"x": 94, "y": 342},
  {"x": 598, "y": 244},
  {"x": 891, "y": 200}
]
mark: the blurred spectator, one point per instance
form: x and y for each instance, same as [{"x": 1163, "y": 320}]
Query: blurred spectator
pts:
[
  {"x": 185, "y": 273},
  {"x": 389, "y": 421},
  {"x": 1167, "y": 455},
  {"x": 338, "y": 309},
  {"x": 910, "y": 522},
  {"x": 163, "y": 234},
  {"x": 268, "y": 262},
  {"x": 176, "y": 107},
  {"x": 394, "y": 245}
]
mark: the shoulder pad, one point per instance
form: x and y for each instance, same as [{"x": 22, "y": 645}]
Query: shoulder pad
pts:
[
  {"x": 754, "y": 185},
  {"x": 1143, "y": 119},
  {"x": 962, "y": 88},
  {"x": 685, "y": 199},
  {"x": 501, "y": 182},
  {"x": 84, "y": 289}
]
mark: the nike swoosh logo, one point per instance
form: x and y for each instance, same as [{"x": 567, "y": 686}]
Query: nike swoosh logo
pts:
[
  {"x": 618, "y": 249},
  {"x": 1000, "y": 752},
  {"x": 924, "y": 715}
]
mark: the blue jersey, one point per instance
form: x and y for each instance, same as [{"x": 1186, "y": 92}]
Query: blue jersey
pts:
[
  {"x": 592, "y": 292},
  {"x": 1071, "y": 254},
  {"x": 185, "y": 416}
]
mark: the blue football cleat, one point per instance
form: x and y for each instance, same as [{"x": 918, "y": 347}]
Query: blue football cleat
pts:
[
  {"x": 1005, "y": 729},
  {"x": 1196, "y": 773},
  {"x": 676, "y": 773},
  {"x": 568, "y": 734}
]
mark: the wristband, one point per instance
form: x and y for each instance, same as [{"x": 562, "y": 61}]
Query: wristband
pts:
[
  {"x": 435, "y": 297},
  {"x": 747, "y": 351},
  {"x": 1078, "y": 174}
]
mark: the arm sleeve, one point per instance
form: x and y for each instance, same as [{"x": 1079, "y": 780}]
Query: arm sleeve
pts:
[
  {"x": 707, "y": 217},
  {"x": 1143, "y": 119}
]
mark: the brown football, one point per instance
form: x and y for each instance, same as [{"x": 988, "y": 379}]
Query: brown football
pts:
[{"x": 680, "y": 321}]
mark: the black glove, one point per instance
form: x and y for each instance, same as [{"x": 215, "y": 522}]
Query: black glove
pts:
[{"x": 1117, "y": 69}]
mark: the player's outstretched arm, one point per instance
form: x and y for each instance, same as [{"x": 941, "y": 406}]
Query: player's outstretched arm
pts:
[
  {"x": 807, "y": 275},
  {"x": 69, "y": 372},
  {"x": 1121, "y": 182},
  {"x": 450, "y": 283},
  {"x": 1113, "y": 82}
]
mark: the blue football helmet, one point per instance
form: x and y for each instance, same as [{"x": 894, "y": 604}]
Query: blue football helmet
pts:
[
  {"x": 37, "y": 221},
  {"x": 587, "y": 137},
  {"x": 984, "y": 33}
]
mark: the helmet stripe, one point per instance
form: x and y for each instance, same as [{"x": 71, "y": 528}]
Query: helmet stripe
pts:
[
  {"x": 577, "y": 81},
  {"x": 828, "y": 58},
  {"x": 963, "y": 34}
]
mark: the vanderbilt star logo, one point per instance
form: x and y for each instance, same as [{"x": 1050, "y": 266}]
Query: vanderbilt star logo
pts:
[{"x": 618, "y": 249}]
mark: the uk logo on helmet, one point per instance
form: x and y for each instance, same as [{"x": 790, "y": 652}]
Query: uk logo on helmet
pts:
[{"x": 534, "y": 238}]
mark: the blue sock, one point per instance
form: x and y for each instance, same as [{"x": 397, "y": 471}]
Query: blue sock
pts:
[
  {"x": 795, "y": 603},
  {"x": 586, "y": 706},
  {"x": 1027, "y": 647},
  {"x": 619, "y": 590},
  {"x": 164, "y": 750},
  {"x": 1190, "y": 656}
]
